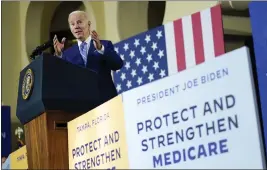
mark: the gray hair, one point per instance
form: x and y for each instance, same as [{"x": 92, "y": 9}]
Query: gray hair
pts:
[{"x": 80, "y": 12}]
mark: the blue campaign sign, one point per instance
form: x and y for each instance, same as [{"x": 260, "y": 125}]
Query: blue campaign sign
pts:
[
  {"x": 258, "y": 19},
  {"x": 6, "y": 131}
]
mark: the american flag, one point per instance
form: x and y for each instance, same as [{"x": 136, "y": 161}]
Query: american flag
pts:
[{"x": 169, "y": 49}]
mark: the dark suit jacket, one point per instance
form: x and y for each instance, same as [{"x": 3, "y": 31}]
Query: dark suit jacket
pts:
[{"x": 102, "y": 64}]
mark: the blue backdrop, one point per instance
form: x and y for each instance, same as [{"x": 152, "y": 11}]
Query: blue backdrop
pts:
[
  {"x": 6, "y": 131},
  {"x": 258, "y": 19}
]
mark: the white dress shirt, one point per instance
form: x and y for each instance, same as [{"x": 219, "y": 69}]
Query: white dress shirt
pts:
[{"x": 88, "y": 40}]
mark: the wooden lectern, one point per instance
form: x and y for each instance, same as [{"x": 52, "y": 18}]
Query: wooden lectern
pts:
[{"x": 51, "y": 93}]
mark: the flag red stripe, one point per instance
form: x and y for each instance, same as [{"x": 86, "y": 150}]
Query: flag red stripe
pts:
[
  {"x": 179, "y": 44},
  {"x": 198, "y": 38},
  {"x": 217, "y": 28}
]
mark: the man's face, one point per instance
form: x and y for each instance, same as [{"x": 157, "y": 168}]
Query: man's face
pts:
[{"x": 79, "y": 26}]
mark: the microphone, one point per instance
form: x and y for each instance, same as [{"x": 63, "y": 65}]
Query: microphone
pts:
[{"x": 39, "y": 49}]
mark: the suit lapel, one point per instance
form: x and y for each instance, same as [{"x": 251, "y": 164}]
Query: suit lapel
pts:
[
  {"x": 89, "y": 55},
  {"x": 77, "y": 52},
  {"x": 91, "y": 48},
  {"x": 90, "y": 52}
]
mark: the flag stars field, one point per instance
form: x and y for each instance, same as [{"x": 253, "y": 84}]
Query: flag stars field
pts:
[
  {"x": 141, "y": 56},
  {"x": 136, "y": 42},
  {"x": 170, "y": 48}
]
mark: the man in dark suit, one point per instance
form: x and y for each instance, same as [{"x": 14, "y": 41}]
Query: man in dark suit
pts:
[{"x": 90, "y": 52}]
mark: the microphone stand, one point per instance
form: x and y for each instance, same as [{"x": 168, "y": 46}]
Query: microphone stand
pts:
[{"x": 39, "y": 49}]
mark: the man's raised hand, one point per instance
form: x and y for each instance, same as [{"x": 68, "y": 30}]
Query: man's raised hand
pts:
[{"x": 58, "y": 46}]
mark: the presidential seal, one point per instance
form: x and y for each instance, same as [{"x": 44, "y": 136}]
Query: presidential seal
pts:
[{"x": 27, "y": 84}]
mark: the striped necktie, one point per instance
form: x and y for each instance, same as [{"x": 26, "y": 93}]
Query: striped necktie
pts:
[{"x": 83, "y": 51}]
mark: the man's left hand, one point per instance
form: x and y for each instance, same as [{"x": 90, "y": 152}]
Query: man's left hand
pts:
[{"x": 95, "y": 37}]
